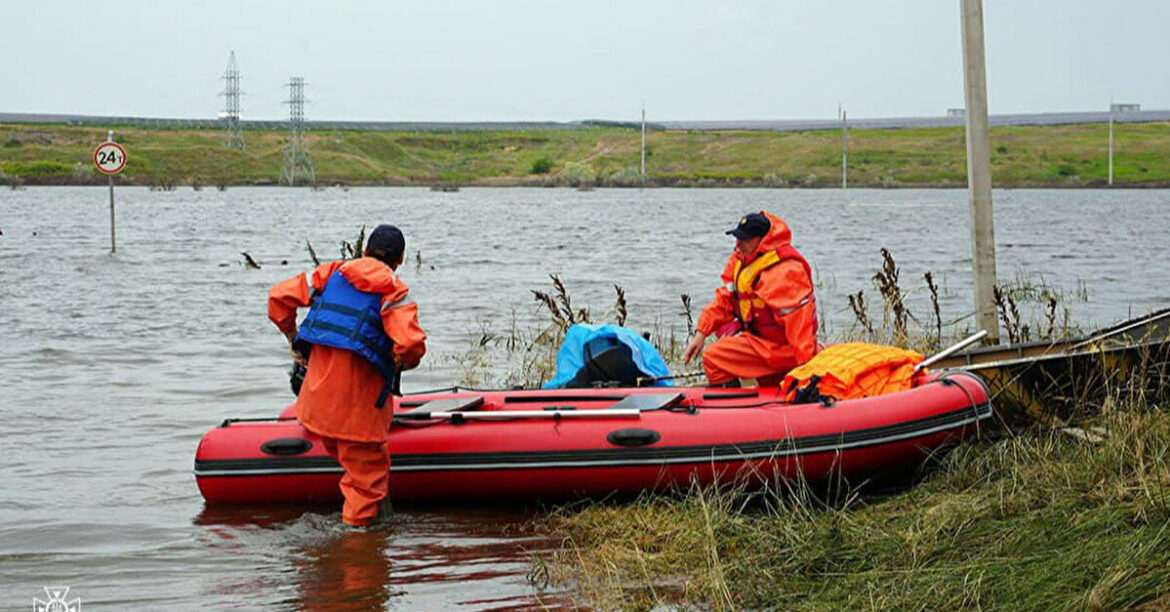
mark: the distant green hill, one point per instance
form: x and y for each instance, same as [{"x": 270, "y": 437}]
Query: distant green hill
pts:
[{"x": 1034, "y": 156}]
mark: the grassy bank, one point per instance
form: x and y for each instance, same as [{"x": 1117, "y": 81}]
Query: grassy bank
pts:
[
  {"x": 1047, "y": 156},
  {"x": 1026, "y": 519},
  {"x": 1033, "y": 521}
]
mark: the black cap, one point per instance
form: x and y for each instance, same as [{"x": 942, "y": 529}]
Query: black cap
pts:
[
  {"x": 386, "y": 242},
  {"x": 751, "y": 225}
]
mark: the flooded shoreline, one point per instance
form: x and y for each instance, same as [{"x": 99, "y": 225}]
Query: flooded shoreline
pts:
[{"x": 116, "y": 366}]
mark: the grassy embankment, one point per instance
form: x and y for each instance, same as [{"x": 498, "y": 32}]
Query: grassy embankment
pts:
[
  {"x": 1024, "y": 519},
  {"x": 1054, "y": 156}
]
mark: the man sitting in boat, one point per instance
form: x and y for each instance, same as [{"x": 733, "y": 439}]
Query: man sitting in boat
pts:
[
  {"x": 765, "y": 313},
  {"x": 346, "y": 397}
]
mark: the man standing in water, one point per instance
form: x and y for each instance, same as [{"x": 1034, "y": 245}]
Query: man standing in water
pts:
[
  {"x": 362, "y": 330},
  {"x": 765, "y": 314}
]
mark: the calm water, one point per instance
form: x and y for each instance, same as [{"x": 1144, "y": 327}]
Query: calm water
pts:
[{"x": 114, "y": 366}]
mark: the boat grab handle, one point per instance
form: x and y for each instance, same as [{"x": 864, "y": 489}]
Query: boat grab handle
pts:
[{"x": 633, "y": 437}]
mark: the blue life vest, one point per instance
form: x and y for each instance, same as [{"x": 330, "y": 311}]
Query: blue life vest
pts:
[{"x": 344, "y": 318}]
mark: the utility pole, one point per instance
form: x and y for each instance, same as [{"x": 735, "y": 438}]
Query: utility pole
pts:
[
  {"x": 296, "y": 156},
  {"x": 979, "y": 167},
  {"x": 844, "y": 150},
  {"x": 643, "y": 142},
  {"x": 231, "y": 105},
  {"x": 1110, "y": 142}
]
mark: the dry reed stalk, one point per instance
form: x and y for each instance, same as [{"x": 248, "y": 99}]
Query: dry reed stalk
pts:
[
  {"x": 886, "y": 281},
  {"x": 686, "y": 302},
  {"x": 360, "y": 247},
  {"x": 551, "y": 305},
  {"x": 934, "y": 303},
  {"x": 857, "y": 303},
  {"x": 563, "y": 298},
  {"x": 620, "y": 305},
  {"x": 1050, "y": 318},
  {"x": 1009, "y": 313},
  {"x": 312, "y": 253}
]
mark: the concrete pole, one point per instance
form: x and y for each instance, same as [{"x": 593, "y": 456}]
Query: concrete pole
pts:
[
  {"x": 979, "y": 168},
  {"x": 643, "y": 142},
  {"x": 1110, "y": 144},
  {"x": 844, "y": 150}
]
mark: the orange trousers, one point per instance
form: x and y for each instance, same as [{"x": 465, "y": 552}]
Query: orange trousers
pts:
[
  {"x": 366, "y": 481},
  {"x": 746, "y": 356}
]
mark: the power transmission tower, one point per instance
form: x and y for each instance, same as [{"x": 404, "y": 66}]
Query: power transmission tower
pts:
[
  {"x": 298, "y": 168},
  {"x": 231, "y": 106}
]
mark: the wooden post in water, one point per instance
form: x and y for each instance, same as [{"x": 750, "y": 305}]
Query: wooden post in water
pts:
[
  {"x": 979, "y": 167},
  {"x": 844, "y": 150}
]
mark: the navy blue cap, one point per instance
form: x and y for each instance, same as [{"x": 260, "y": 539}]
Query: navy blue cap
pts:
[
  {"x": 386, "y": 242},
  {"x": 751, "y": 225}
]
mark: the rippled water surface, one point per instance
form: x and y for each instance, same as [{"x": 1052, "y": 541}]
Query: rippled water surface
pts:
[{"x": 114, "y": 366}]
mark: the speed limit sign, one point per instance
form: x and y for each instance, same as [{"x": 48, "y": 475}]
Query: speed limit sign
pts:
[{"x": 109, "y": 158}]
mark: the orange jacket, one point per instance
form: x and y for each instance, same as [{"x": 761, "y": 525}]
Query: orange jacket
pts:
[
  {"x": 786, "y": 291},
  {"x": 340, "y": 389}
]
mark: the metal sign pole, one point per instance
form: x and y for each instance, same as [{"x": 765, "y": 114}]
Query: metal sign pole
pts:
[{"x": 110, "y": 178}]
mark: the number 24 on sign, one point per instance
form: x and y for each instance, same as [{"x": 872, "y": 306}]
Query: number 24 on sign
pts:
[{"x": 109, "y": 158}]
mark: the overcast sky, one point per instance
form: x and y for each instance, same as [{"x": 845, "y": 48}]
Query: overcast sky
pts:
[{"x": 553, "y": 60}]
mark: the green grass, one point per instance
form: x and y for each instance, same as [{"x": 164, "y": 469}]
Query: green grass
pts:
[
  {"x": 1050, "y": 156},
  {"x": 1035, "y": 521}
]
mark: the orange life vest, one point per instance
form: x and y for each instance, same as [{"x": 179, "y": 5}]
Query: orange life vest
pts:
[
  {"x": 751, "y": 311},
  {"x": 853, "y": 370}
]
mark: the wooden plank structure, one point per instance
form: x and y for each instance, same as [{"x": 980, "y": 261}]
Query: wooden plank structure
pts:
[{"x": 1048, "y": 381}]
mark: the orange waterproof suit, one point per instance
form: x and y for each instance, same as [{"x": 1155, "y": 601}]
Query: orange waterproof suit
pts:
[
  {"x": 767, "y": 302},
  {"x": 338, "y": 397}
]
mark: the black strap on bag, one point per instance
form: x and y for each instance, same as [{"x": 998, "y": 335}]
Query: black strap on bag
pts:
[{"x": 812, "y": 393}]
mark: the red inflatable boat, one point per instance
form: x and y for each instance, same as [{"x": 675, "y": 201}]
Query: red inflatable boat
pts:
[{"x": 564, "y": 444}]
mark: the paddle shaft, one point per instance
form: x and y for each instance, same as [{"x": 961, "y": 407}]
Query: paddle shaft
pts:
[
  {"x": 947, "y": 352},
  {"x": 641, "y": 380},
  {"x": 488, "y": 415}
]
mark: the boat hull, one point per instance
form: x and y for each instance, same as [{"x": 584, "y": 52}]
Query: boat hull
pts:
[{"x": 707, "y": 436}]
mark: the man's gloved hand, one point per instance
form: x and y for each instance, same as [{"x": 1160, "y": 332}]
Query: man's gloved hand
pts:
[
  {"x": 297, "y": 356},
  {"x": 695, "y": 348}
]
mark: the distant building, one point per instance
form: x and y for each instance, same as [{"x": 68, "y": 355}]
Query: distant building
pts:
[
  {"x": 1125, "y": 108},
  {"x": 956, "y": 112}
]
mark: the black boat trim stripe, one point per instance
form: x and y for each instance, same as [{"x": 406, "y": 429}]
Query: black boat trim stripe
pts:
[{"x": 614, "y": 457}]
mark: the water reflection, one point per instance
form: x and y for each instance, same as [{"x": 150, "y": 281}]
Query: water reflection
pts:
[
  {"x": 350, "y": 571},
  {"x": 425, "y": 558}
]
